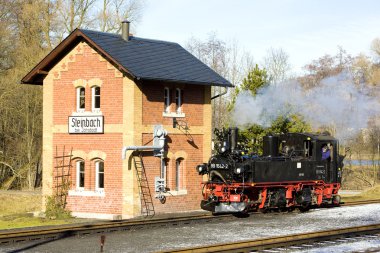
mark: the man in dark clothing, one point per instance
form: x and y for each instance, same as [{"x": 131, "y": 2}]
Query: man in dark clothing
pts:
[{"x": 325, "y": 152}]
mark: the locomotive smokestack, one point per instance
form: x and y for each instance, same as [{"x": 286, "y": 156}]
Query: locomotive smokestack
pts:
[
  {"x": 233, "y": 137},
  {"x": 270, "y": 146}
]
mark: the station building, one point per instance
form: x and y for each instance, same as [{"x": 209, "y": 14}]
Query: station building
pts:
[{"x": 104, "y": 95}]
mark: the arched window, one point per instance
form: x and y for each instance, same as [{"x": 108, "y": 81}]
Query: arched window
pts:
[
  {"x": 99, "y": 175},
  {"x": 178, "y": 174},
  {"x": 80, "y": 174},
  {"x": 95, "y": 99},
  {"x": 166, "y": 100},
  {"x": 81, "y": 98}
]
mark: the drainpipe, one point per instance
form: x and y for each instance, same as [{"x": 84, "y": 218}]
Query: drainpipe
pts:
[{"x": 221, "y": 94}]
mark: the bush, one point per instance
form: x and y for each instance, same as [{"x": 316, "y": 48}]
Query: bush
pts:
[{"x": 55, "y": 209}]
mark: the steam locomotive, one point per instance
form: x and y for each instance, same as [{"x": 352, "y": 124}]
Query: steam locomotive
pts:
[{"x": 296, "y": 170}]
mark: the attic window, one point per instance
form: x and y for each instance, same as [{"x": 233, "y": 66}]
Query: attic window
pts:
[
  {"x": 166, "y": 100},
  {"x": 178, "y": 100}
]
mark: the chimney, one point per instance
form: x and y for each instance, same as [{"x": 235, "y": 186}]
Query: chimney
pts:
[{"x": 125, "y": 30}]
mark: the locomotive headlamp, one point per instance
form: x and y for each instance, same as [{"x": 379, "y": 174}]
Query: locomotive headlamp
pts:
[
  {"x": 238, "y": 170},
  {"x": 202, "y": 169}
]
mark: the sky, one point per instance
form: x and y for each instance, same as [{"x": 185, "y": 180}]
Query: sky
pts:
[{"x": 304, "y": 29}]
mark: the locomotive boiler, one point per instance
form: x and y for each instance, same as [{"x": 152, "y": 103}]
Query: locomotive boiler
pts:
[{"x": 296, "y": 170}]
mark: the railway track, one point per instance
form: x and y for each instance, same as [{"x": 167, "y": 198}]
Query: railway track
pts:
[
  {"x": 58, "y": 232},
  {"x": 361, "y": 202},
  {"x": 300, "y": 242}
]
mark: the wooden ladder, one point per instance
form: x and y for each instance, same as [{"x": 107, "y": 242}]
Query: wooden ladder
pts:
[
  {"x": 147, "y": 208},
  {"x": 62, "y": 175}
]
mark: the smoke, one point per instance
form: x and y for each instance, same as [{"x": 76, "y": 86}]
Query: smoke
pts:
[{"x": 335, "y": 103}]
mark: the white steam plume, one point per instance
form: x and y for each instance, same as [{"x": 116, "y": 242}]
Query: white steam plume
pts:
[{"x": 335, "y": 102}]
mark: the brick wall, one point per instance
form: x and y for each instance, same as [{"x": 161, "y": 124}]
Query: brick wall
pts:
[
  {"x": 153, "y": 103},
  {"x": 87, "y": 65},
  {"x": 110, "y": 145},
  {"x": 180, "y": 143},
  {"x": 180, "y": 147},
  {"x": 144, "y": 109}
]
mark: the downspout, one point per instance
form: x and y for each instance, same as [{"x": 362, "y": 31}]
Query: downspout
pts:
[{"x": 221, "y": 94}]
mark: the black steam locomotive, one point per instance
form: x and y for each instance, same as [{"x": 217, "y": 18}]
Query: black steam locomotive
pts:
[{"x": 296, "y": 170}]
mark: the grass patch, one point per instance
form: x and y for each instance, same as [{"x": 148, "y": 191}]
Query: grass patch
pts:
[
  {"x": 16, "y": 209},
  {"x": 370, "y": 194},
  {"x": 19, "y": 202},
  {"x": 23, "y": 220}
]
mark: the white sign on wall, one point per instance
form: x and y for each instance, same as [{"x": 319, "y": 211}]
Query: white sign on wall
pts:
[{"x": 86, "y": 124}]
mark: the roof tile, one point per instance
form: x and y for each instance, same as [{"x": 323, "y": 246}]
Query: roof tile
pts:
[{"x": 156, "y": 60}]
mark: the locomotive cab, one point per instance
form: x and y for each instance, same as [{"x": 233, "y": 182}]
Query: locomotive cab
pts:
[{"x": 301, "y": 156}]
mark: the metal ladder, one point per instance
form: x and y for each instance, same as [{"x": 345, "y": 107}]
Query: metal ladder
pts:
[{"x": 147, "y": 207}]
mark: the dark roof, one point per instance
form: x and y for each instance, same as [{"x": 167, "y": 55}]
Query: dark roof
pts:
[
  {"x": 141, "y": 59},
  {"x": 313, "y": 136}
]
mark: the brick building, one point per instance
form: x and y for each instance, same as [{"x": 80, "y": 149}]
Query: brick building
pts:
[{"x": 103, "y": 92}]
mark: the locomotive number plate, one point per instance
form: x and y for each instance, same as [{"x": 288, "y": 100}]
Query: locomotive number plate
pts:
[
  {"x": 219, "y": 166},
  {"x": 319, "y": 172}
]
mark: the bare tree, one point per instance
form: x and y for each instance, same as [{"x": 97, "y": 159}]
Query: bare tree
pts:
[
  {"x": 375, "y": 47},
  {"x": 113, "y": 12},
  {"x": 276, "y": 63},
  {"x": 213, "y": 53},
  {"x": 362, "y": 69},
  {"x": 228, "y": 60},
  {"x": 75, "y": 13},
  {"x": 325, "y": 66}
]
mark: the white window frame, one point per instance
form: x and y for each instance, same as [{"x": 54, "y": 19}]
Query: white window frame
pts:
[
  {"x": 78, "y": 99},
  {"x": 78, "y": 187},
  {"x": 178, "y": 100},
  {"x": 97, "y": 188},
  {"x": 178, "y": 167},
  {"x": 166, "y": 100},
  {"x": 93, "y": 99}
]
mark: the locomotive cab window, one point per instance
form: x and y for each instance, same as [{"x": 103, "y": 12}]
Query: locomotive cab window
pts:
[
  {"x": 308, "y": 148},
  {"x": 327, "y": 150}
]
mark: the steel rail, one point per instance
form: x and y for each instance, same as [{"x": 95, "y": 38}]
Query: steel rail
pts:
[
  {"x": 55, "y": 232},
  {"x": 281, "y": 241},
  {"x": 361, "y": 202},
  {"x": 60, "y": 231}
]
